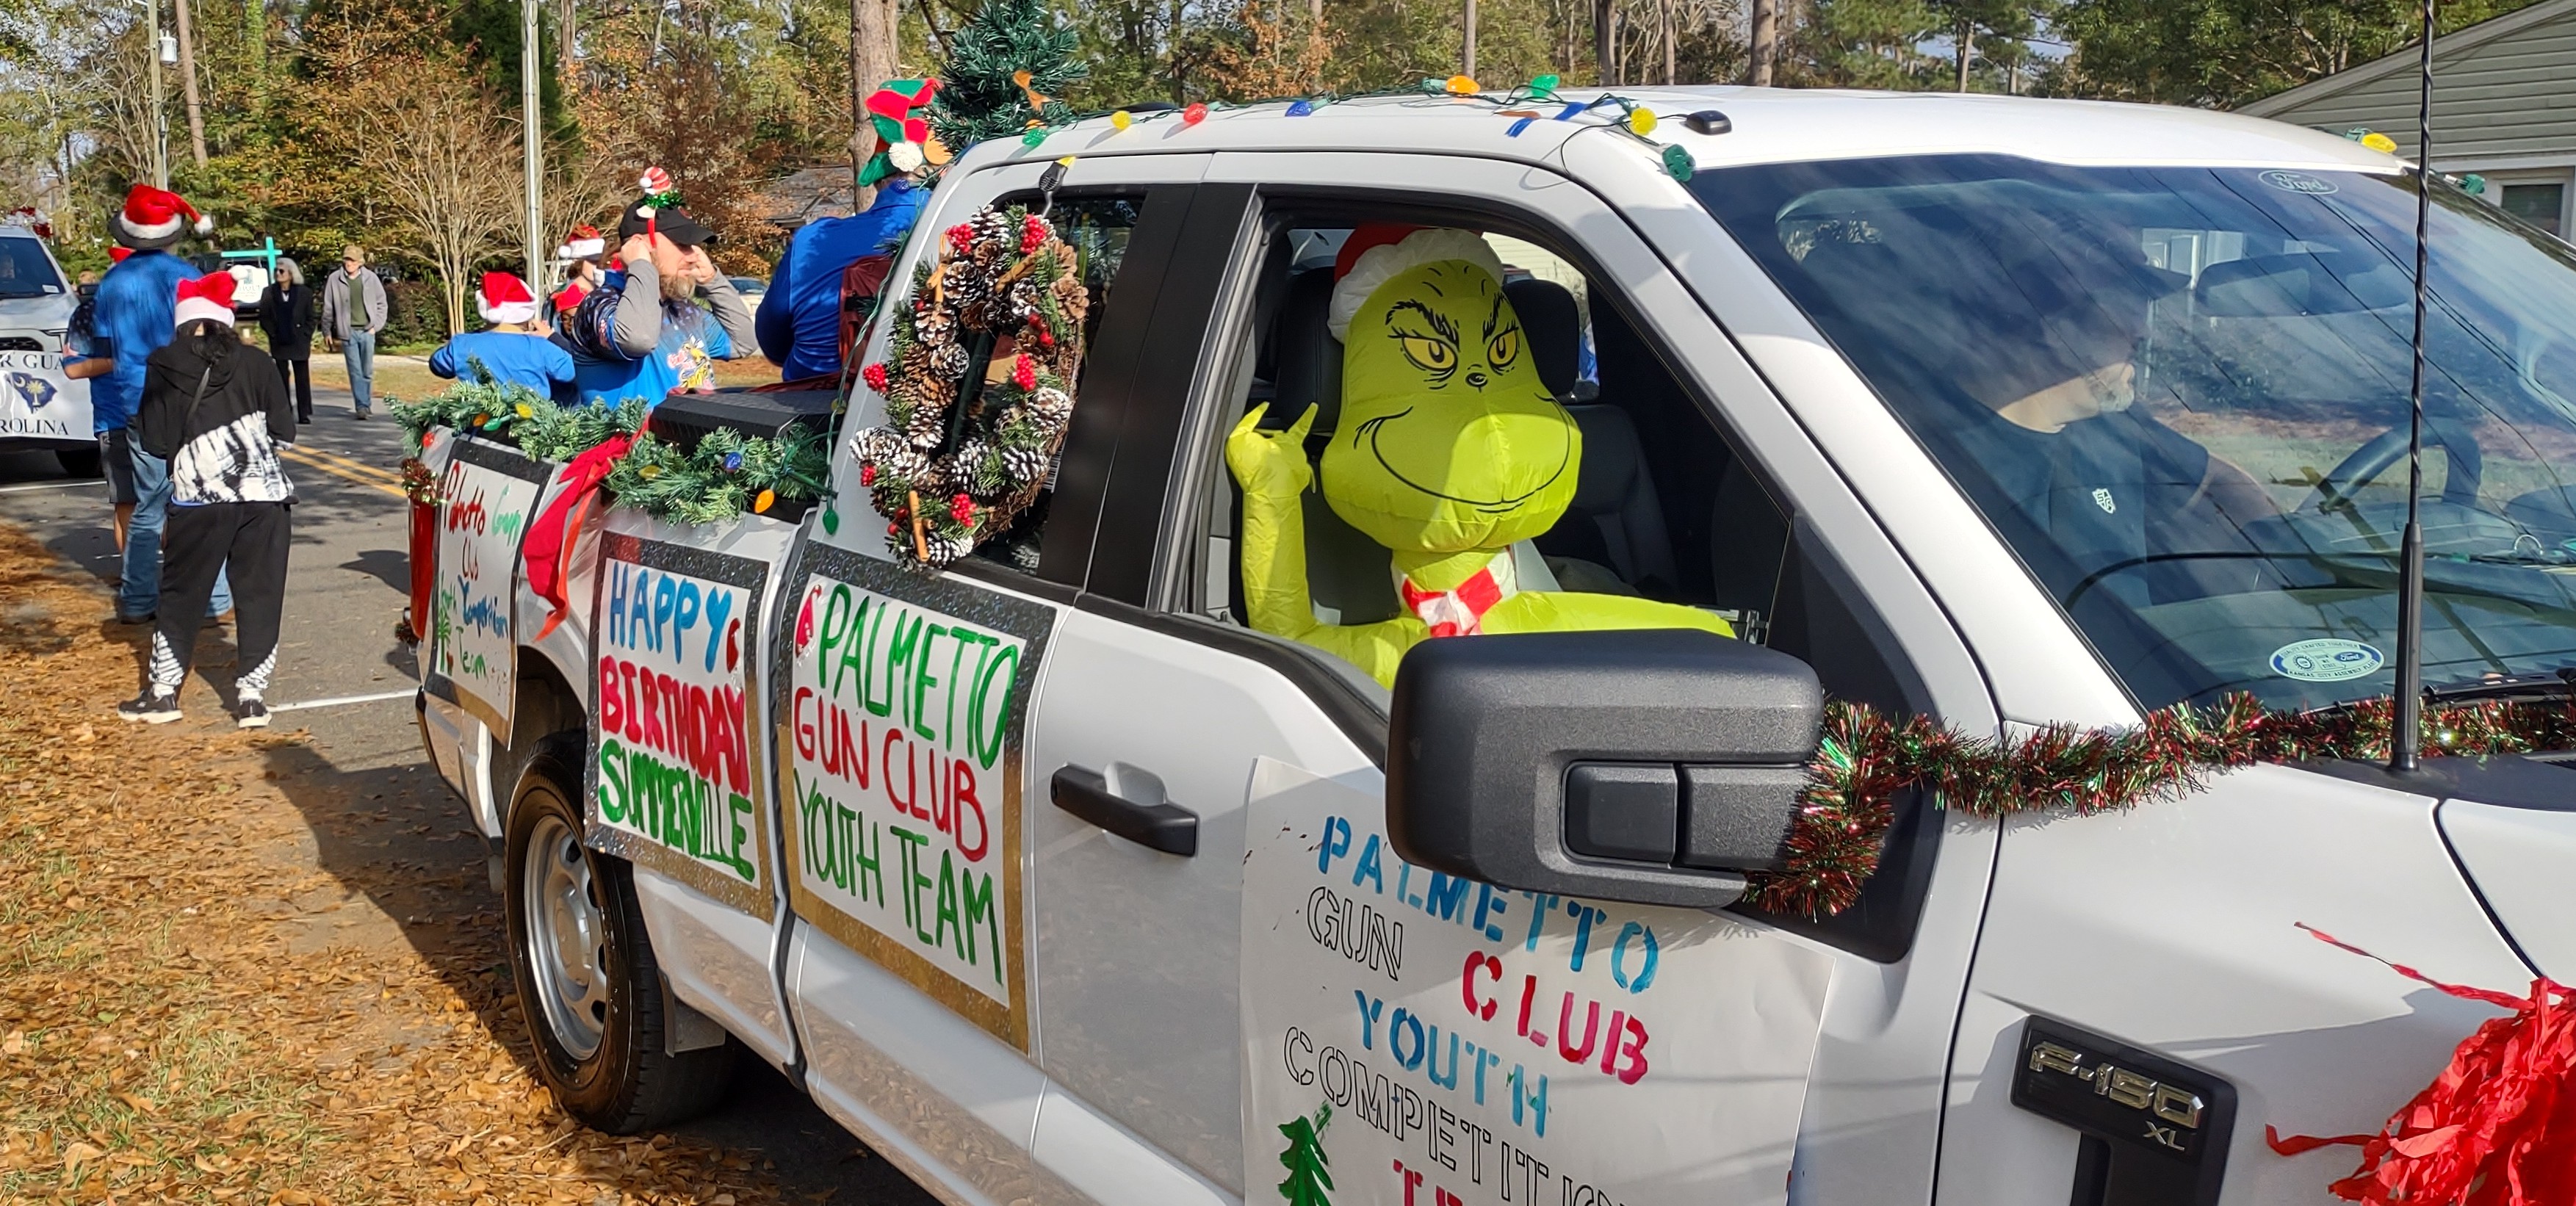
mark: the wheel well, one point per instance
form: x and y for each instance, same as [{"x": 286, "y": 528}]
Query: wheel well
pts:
[{"x": 548, "y": 716}]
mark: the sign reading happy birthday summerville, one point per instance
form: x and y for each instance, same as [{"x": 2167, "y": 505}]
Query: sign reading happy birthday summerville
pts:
[
  {"x": 903, "y": 703},
  {"x": 675, "y": 757}
]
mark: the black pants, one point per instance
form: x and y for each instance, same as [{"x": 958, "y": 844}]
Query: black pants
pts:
[
  {"x": 297, "y": 373},
  {"x": 196, "y": 543}
]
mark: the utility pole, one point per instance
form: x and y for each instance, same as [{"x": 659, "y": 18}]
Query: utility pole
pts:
[
  {"x": 156, "y": 52},
  {"x": 1763, "y": 47},
  {"x": 1467, "y": 44},
  {"x": 532, "y": 141},
  {"x": 188, "y": 86}
]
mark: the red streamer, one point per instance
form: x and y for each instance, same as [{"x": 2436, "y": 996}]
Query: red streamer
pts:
[
  {"x": 2496, "y": 1128},
  {"x": 549, "y": 542}
]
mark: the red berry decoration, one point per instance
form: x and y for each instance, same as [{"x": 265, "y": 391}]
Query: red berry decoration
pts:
[
  {"x": 962, "y": 508},
  {"x": 1024, "y": 372},
  {"x": 961, "y": 238},
  {"x": 875, "y": 376},
  {"x": 867, "y": 475},
  {"x": 1032, "y": 233}
]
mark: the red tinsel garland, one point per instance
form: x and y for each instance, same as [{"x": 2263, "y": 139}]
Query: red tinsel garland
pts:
[
  {"x": 1864, "y": 760},
  {"x": 2497, "y": 1128}
]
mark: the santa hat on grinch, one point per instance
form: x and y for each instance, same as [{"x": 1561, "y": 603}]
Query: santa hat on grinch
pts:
[
  {"x": 208, "y": 297},
  {"x": 504, "y": 300},
  {"x": 154, "y": 218},
  {"x": 1376, "y": 253},
  {"x": 584, "y": 243}
]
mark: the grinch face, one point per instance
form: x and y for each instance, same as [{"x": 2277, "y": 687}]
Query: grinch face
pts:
[{"x": 1448, "y": 440}]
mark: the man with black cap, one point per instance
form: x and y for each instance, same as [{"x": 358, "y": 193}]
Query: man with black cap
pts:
[{"x": 642, "y": 335}]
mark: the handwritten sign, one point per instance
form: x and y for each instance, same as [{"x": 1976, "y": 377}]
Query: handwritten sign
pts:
[
  {"x": 1424, "y": 1040},
  {"x": 38, "y": 402},
  {"x": 905, "y": 700},
  {"x": 675, "y": 757},
  {"x": 487, "y": 494}
]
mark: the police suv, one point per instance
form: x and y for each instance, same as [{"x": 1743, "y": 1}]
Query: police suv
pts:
[{"x": 1055, "y": 882}]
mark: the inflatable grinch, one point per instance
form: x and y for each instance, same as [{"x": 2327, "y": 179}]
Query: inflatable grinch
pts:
[{"x": 1450, "y": 451}]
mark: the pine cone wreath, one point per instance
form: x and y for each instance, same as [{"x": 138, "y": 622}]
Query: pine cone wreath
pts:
[{"x": 1025, "y": 466}]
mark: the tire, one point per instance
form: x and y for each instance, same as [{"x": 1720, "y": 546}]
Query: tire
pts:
[
  {"x": 78, "y": 462},
  {"x": 589, "y": 986}
]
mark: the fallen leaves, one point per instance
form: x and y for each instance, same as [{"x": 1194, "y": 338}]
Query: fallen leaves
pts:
[{"x": 197, "y": 1006}]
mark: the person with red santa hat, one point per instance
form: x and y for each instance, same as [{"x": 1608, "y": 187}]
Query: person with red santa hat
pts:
[
  {"x": 132, "y": 319},
  {"x": 214, "y": 408},
  {"x": 515, "y": 351}
]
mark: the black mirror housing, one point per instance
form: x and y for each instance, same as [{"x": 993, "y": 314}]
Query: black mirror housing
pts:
[{"x": 1649, "y": 766}]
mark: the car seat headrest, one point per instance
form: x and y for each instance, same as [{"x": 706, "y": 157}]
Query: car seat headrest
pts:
[
  {"x": 1553, "y": 328},
  {"x": 1309, "y": 358}
]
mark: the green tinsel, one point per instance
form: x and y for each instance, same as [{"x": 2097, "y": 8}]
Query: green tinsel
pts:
[
  {"x": 726, "y": 475},
  {"x": 977, "y": 97},
  {"x": 1865, "y": 759},
  {"x": 521, "y": 417}
]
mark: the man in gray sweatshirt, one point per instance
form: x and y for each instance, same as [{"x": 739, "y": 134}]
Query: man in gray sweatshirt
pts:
[
  {"x": 648, "y": 337},
  {"x": 353, "y": 310}
]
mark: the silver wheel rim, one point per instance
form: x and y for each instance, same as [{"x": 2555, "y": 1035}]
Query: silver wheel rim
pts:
[{"x": 567, "y": 938}]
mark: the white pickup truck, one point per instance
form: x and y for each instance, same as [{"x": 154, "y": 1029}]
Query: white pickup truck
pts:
[{"x": 1055, "y": 882}]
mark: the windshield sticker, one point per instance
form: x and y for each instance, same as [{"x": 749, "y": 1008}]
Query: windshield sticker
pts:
[
  {"x": 2325, "y": 660},
  {"x": 2298, "y": 182}
]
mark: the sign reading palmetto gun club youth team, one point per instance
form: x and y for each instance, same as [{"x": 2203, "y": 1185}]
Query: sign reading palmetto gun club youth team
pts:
[
  {"x": 675, "y": 751},
  {"x": 487, "y": 494},
  {"x": 1416, "y": 1039},
  {"x": 904, "y": 700}
]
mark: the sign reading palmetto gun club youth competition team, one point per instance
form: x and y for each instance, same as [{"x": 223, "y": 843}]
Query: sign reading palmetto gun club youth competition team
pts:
[
  {"x": 487, "y": 494},
  {"x": 905, "y": 699},
  {"x": 676, "y": 760},
  {"x": 1415, "y": 1039}
]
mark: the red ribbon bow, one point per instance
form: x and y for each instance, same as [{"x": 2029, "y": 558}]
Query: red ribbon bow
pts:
[{"x": 1459, "y": 612}]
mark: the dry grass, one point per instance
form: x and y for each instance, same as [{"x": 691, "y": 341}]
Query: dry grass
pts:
[{"x": 231, "y": 973}]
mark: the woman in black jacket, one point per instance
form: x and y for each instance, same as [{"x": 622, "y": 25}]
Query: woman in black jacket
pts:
[
  {"x": 286, "y": 315},
  {"x": 213, "y": 409}
]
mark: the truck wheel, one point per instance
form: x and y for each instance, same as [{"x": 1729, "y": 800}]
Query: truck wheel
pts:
[
  {"x": 588, "y": 982},
  {"x": 78, "y": 462}
]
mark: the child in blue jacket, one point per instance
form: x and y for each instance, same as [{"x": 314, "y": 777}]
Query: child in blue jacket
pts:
[{"x": 515, "y": 351}]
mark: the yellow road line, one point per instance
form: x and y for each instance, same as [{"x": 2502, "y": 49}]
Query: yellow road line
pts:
[
  {"x": 354, "y": 466},
  {"x": 310, "y": 460}
]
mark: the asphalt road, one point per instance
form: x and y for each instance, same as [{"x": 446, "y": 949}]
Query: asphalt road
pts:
[{"x": 342, "y": 676}]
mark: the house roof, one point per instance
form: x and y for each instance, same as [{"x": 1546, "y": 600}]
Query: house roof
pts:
[{"x": 2457, "y": 41}]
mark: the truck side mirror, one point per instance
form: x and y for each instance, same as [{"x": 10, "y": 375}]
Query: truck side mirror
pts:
[{"x": 1651, "y": 766}]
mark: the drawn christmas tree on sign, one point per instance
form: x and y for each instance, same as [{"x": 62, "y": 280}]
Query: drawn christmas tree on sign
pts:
[{"x": 1308, "y": 1178}]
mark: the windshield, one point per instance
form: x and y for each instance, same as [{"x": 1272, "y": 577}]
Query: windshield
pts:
[
  {"x": 2180, "y": 394},
  {"x": 25, "y": 270}
]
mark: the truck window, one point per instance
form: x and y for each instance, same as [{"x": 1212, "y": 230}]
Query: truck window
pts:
[
  {"x": 1663, "y": 507},
  {"x": 1098, "y": 229}
]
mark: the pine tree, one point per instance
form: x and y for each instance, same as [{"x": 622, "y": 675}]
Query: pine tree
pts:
[
  {"x": 1309, "y": 1178},
  {"x": 979, "y": 97}
]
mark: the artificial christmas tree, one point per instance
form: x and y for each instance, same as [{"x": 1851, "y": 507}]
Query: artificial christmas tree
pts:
[{"x": 1006, "y": 69}]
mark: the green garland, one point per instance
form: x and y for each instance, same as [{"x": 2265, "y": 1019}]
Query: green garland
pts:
[
  {"x": 1864, "y": 760},
  {"x": 725, "y": 475}
]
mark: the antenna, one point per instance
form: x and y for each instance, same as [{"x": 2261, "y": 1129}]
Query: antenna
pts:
[{"x": 2406, "y": 733}]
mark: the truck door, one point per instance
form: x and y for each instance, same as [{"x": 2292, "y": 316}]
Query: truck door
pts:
[
  {"x": 1237, "y": 968},
  {"x": 903, "y": 721}
]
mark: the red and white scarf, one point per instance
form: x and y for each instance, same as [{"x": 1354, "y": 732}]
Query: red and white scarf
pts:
[{"x": 1461, "y": 611}]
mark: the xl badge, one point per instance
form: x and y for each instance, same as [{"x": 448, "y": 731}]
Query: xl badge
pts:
[{"x": 2162, "y": 1126}]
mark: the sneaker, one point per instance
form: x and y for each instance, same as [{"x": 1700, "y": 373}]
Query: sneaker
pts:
[
  {"x": 364, "y": 413},
  {"x": 154, "y": 706},
  {"x": 218, "y": 619},
  {"x": 145, "y": 618},
  {"x": 250, "y": 713}
]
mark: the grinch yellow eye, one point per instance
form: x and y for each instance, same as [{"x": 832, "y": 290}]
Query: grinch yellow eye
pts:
[
  {"x": 1504, "y": 349},
  {"x": 1429, "y": 354}
]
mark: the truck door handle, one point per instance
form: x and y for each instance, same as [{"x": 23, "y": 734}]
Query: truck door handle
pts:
[{"x": 1085, "y": 793}]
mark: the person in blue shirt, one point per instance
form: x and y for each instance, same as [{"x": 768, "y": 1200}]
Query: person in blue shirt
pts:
[
  {"x": 799, "y": 321},
  {"x": 643, "y": 335},
  {"x": 135, "y": 315},
  {"x": 515, "y": 351}
]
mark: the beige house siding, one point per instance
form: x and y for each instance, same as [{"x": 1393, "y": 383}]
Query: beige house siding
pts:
[{"x": 2504, "y": 100}]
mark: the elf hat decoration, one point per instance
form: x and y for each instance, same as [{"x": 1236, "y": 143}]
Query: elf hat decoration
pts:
[
  {"x": 904, "y": 141},
  {"x": 504, "y": 298},
  {"x": 154, "y": 218},
  {"x": 207, "y": 297},
  {"x": 584, "y": 243}
]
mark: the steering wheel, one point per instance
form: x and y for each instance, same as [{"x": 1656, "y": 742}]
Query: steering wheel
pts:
[{"x": 2381, "y": 451}]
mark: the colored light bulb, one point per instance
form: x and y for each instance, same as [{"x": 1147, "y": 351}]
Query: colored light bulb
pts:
[
  {"x": 1121, "y": 119},
  {"x": 1194, "y": 114},
  {"x": 1642, "y": 121},
  {"x": 1299, "y": 108}
]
